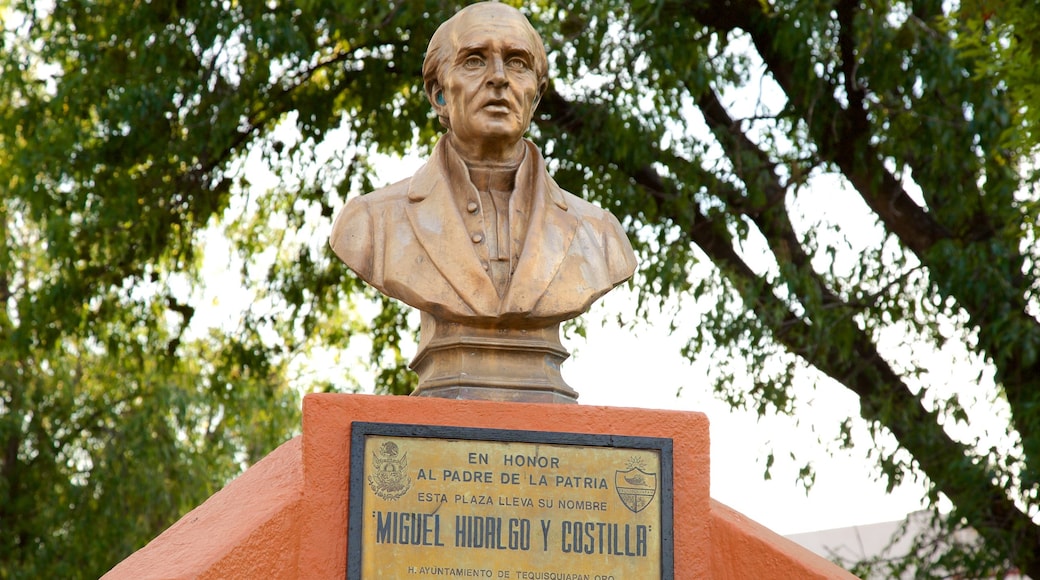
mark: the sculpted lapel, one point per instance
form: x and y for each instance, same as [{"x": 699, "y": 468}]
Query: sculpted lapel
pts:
[
  {"x": 439, "y": 229},
  {"x": 548, "y": 241}
]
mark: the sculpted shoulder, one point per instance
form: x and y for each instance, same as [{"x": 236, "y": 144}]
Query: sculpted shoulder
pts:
[
  {"x": 577, "y": 206},
  {"x": 394, "y": 192},
  {"x": 590, "y": 213},
  {"x": 585, "y": 210},
  {"x": 358, "y": 225},
  {"x": 604, "y": 227},
  {"x": 361, "y": 209}
]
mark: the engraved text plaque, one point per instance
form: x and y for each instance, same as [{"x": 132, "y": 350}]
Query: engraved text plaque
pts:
[{"x": 452, "y": 502}]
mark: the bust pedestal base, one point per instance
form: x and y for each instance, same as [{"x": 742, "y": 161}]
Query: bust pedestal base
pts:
[{"x": 458, "y": 361}]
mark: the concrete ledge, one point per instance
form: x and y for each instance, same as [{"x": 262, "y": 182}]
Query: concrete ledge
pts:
[
  {"x": 743, "y": 548},
  {"x": 327, "y": 461},
  {"x": 249, "y": 529},
  {"x": 286, "y": 517}
]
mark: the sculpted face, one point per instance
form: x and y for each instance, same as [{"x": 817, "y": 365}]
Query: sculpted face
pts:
[{"x": 489, "y": 86}]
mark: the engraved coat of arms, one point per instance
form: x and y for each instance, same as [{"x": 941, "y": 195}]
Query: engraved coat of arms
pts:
[
  {"x": 388, "y": 479},
  {"x": 635, "y": 486}
]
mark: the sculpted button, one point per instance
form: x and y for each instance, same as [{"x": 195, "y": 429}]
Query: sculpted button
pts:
[
  {"x": 477, "y": 238},
  {"x": 471, "y": 207},
  {"x": 485, "y": 265}
]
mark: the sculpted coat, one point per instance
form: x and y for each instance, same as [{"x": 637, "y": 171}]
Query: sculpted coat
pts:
[{"x": 420, "y": 241}]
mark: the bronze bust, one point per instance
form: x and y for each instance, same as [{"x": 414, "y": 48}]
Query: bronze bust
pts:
[{"x": 481, "y": 239}]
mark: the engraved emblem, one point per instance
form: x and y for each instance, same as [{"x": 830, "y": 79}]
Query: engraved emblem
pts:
[
  {"x": 388, "y": 479},
  {"x": 635, "y": 486}
]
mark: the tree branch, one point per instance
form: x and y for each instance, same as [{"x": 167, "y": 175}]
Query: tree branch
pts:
[
  {"x": 884, "y": 396},
  {"x": 995, "y": 297}
]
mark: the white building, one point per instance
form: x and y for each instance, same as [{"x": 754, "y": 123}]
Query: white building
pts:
[{"x": 884, "y": 542}]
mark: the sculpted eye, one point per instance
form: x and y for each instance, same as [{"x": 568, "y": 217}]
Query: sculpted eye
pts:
[
  {"x": 517, "y": 63},
  {"x": 473, "y": 61}
]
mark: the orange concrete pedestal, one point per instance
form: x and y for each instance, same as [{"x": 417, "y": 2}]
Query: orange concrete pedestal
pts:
[{"x": 286, "y": 517}]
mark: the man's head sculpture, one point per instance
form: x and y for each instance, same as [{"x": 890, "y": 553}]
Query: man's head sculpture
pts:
[
  {"x": 481, "y": 239},
  {"x": 486, "y": 67},
  {"x": 470, "y": 29}
]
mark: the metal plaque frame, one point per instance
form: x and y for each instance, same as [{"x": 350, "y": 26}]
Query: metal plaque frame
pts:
[{"x": 360, "y": 431}]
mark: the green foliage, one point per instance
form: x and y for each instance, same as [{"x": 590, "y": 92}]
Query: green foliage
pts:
[
  {"x": 132, "y": 133},
  {"x": 1000, "y": 38}
]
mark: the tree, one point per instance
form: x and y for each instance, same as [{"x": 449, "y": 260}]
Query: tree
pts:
[
  {"x": 125, "y": 130},
  {"x": 114, "y": 420}
]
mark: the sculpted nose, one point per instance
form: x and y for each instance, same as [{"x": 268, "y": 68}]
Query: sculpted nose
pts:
[{"x": 497, "y": 73}]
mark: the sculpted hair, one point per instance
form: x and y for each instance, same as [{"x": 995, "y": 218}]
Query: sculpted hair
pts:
[{"x": 442, "y": 48}]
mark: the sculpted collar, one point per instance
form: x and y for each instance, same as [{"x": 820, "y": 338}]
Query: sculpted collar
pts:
[
  {"x": 484, "y": 176},
  {"x": 454, "y": 171}
]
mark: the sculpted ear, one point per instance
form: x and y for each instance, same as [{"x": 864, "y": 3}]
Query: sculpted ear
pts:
[
  {"x": 435, "y": 94},
  {"x": 542, "y": 87}
]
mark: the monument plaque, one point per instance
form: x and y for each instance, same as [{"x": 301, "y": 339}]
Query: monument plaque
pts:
[{"x": 442, "y": 502}]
